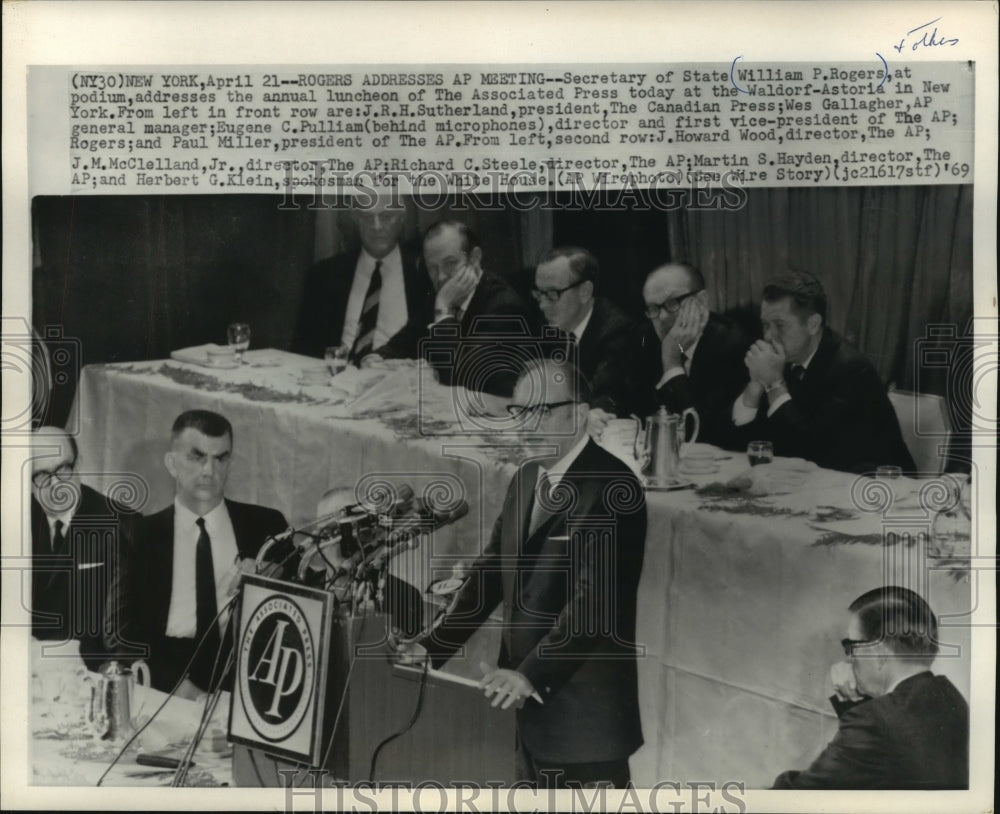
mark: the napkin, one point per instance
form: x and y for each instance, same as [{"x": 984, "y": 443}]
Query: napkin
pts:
[
  {"x": 780, "y": 477},
  {"x": 198, "y": 355}
]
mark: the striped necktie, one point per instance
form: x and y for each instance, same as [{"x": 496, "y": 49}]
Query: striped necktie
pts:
[{"x": 365, "y": 341}]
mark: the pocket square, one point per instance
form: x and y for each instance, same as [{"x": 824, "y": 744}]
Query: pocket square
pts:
[{"x": 85, "y": 565}]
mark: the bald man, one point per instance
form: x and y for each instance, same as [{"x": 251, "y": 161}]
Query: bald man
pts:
[
  {"x": 564, "y": 560},
  {"x": 77, "y": 537},
  {"x": 691, "y": 357}
]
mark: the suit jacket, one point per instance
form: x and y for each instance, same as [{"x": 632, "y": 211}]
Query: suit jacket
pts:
[
  {"x": 326, "y": 291},
  {"x": 569, "y": 602},
  {"x": 70, "y": 591},
  {"x": 839, "y": 415},
  {"x": 149, "y": 577},
  {"x": 483, "y": 351},
  {"x": 606, "y": 353},
  {"x": 718, "y": 376},
  {"x": 915, "y": 737}
]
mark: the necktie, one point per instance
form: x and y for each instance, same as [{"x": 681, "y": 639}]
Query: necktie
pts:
[
  {"x": 59, "y": 539},
  {"x": 365, "y": 340},
  {"x": 798, "y": 372},
  {"x": 204, "y": 580}
]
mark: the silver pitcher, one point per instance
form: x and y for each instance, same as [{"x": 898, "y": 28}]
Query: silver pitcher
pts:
[
  {"x": 660, "y": 447},
  {"x": 114, "y": 701}
]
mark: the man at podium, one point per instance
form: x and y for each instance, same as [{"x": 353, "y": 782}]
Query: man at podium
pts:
[{"x": 564, "y": 558}]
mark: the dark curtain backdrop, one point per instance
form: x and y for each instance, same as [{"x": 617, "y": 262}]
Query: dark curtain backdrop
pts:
[{"x": 136, "y": 277}]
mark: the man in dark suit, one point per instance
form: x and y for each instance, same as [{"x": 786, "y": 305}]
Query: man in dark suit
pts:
[
  {"x": 690, "y": 357},
  {"x": 77, "y": 536},
  {"x": 187, "y": 559},
  {"x": 564, "y": 290},
  {"x": 810, "y": 393},
  {"x": 480, "y": 325},
  {"x": 564, "y": 560},
  {"x": 901, "y": 727},
  {"x": 363, "y": 298}
]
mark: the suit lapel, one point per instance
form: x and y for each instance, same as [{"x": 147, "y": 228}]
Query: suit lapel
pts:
[{"x": 160, "y": 579}]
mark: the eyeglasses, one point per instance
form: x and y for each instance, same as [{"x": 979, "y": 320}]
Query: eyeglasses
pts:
[
  {"x": 850, "y": 644},
  {"x": 671, "y": 306},
  {"x": 527, "y": 410},
  {"x": 553, "y": 294},
  {"x": 42, "y": 478}
]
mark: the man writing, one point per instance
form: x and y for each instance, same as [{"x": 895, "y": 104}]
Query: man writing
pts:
[
  {"x": 564, "y": 560},
  {"x": 187, "y": 560},
  {"x": 475, "y": 314},
  {"x": 602, "y": 333},
  {"x": 901, "y": 727},
  {"x": 77, "y": 538},
  {"x": 363, "y": 298},
  {"x": 809, "y": 392}
]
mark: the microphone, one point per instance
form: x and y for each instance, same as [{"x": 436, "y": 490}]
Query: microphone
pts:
[{"x": 407, "y": 535}]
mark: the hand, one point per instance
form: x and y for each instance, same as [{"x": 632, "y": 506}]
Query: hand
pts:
[
  {"x": 845, "y": 685},
  {"x": 506, "y": 687},
  {"x": 690, "y": 322},
  {"x": 455, "y": 290},
  {"x": 766, "y": 362},
  {"x": 597, "y": 420},
  {"x": 408, "y": 652}
]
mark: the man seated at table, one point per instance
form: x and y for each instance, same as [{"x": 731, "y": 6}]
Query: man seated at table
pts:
[
  {"x": 810, "y": 393},
  {"x": 77, "y": 537},
  {"x": 689, "y": 356},
  {"x": 477, "y": 316},
  {"x": 603, "y": 334},
  {"x": 187, "y": 559},
  {"x": 901, "y": 726},
  {"x": 363, "y": 297},
  {"x": 564, "y": 558}
]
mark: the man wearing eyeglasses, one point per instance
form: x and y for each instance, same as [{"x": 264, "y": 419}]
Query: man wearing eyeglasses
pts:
[
  {"x": 564, "y": 560},
  {"x": 564, "y": 290},
  {"x": 475, "y": 315},
  {"x": 362, "y": 298},
  {"x": 691, "y": 357},
  {"x": 77, "y": 536},
  {"x": 901, "y": 726}
]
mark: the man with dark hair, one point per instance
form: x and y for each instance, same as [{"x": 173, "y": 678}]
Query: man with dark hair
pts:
[
  {"x": 810, "y": 393},
  {"x": 363, "y": 298},
  {"x": 77, "y": 539},
  {"x": 565, "y": 280},
  {"x": 564, "y": 561},
  {"x": 476, "y": 315},
  {"x": 901, "y": 727},
  {"x": 187, "y": 560},
  {"x": 690, "y": 357}
]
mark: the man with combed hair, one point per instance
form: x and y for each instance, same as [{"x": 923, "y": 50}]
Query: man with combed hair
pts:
[
  {"x": 901, "y": 726},
  {"x": 363, "y": 298},
  {"x": 476, "y": 316},
  {"x": 564, "y": 289},
  {"x": 564, "y": 560},
  {"x": 812, "y": 394},
  {"x": 690, "y": 357},
  {"x": 77, "y": 539},
  {"x": 187, "y": 560}
]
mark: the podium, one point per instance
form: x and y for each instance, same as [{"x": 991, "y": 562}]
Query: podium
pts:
[{"x": 457, "y": 736}]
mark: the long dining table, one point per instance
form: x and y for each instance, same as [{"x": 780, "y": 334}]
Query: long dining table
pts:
[{"x": 742, "y": 601}]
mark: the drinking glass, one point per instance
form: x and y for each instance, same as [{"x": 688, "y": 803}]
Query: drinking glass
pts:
[
  {"x": 760, "y": 452},
  {"x": 888, "y": 472},
  {"x": 336, "y": 358},
  {"x": 238, "y": 334}
]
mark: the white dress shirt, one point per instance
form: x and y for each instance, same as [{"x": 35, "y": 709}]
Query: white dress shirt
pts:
[
  {"x": 549, "y": 478},
  {"x": 66, "y": 517},
  {"x": 392, "y": 313},
  {"x": 182, "y": 618},
  {"x": 680, "y": 370},
  {"x": 582, "y": 324}
]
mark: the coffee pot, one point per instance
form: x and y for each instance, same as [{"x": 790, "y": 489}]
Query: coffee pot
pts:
[
  {"x": 660, "y": 447},
  {"x": 115, "y": 701}
]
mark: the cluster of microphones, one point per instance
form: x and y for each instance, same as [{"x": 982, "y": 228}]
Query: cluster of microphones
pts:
[{"x": 349, "y": 550}]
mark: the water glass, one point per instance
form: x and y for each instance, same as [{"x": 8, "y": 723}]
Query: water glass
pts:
[
  {"x": 888, "y": 472},
  {"x": 336, "y": 358},
  {"x": 238, "y": 334},
  {"x": 760, "y": 452}
]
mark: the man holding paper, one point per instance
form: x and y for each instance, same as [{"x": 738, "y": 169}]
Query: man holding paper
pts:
[{"x": 564, "y": 560}]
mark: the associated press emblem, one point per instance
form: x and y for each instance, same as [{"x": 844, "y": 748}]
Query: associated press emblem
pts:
[{"x": 278, "y": 655}]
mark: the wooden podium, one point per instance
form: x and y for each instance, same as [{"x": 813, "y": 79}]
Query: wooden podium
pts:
[{"x": 458, "y": 736}]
